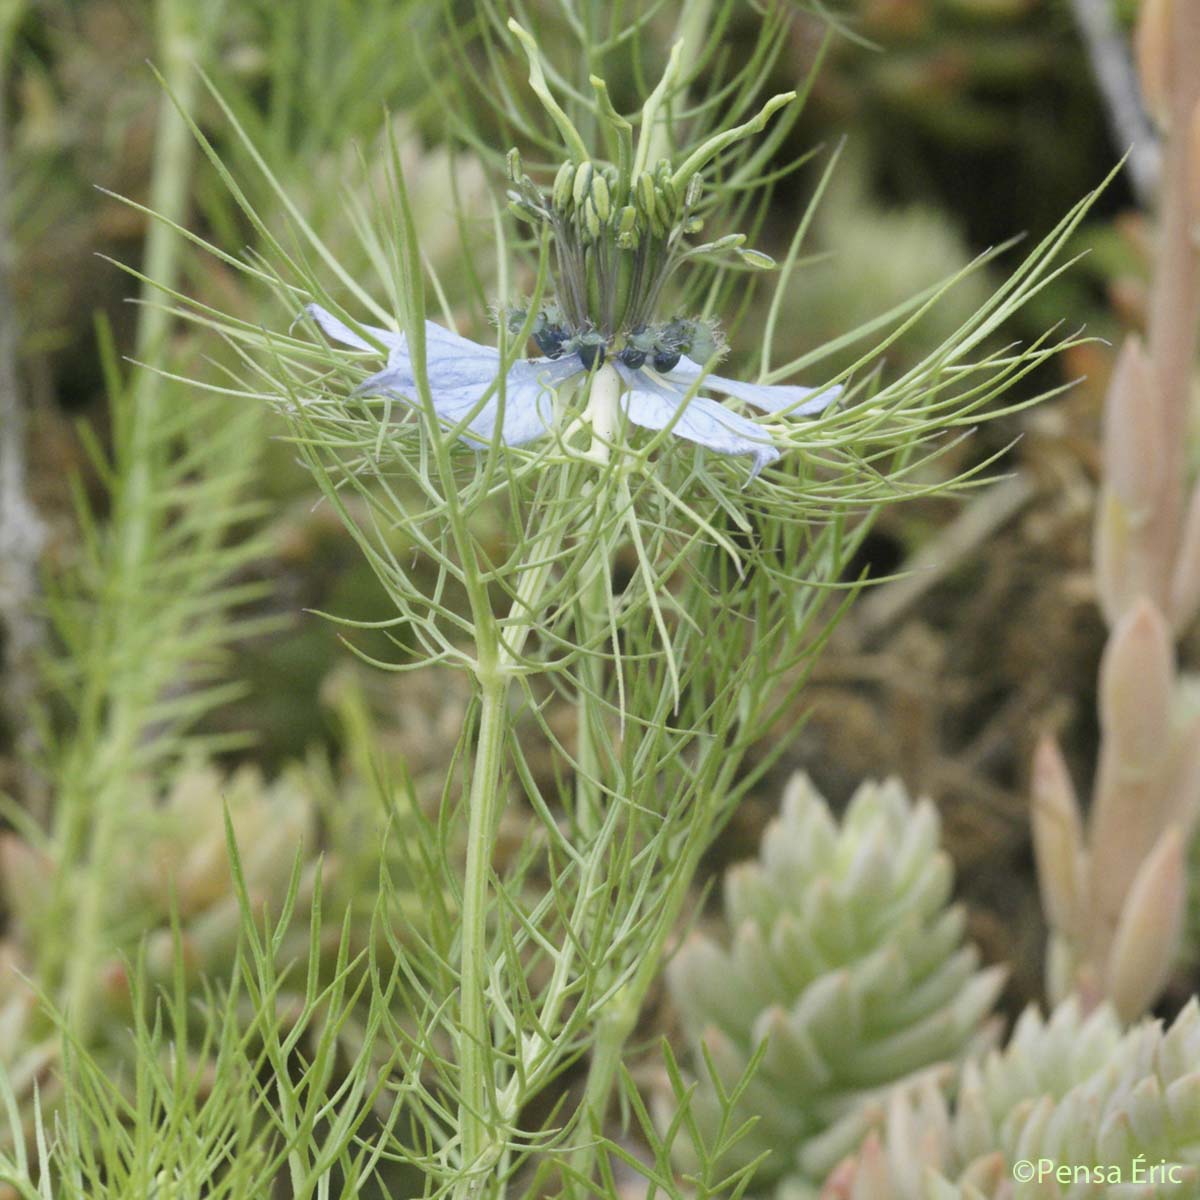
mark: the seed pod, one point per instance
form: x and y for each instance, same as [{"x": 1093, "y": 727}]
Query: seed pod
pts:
[
  {"x": 563, "y": 182},
  {"x": 600, "y": 198},
  {"x": 583, "y": 183}
]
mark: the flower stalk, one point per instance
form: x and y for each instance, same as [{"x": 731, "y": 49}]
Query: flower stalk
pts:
[{"x": 474, "y": 1043}]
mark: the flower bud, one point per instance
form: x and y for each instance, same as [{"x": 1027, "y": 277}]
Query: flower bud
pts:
[
  {"x": 731, "y": 241},
  {"x": 563, "y": 183},
  {"x": 513, "y": 163},
  {"x": 627, "y": 234},
  {"x": 591, "y": 219},
  {"x": 644, "y": 194},
  {"x": 695, "y": 189},
  {"x": 600, "y": 198},
  {"x": 662, "y": 178},
  {"x": 756, "y": 259},
  {"x": 663, "y": 209},
  {"x": 523, "y": 210},
  {"x": 582, "y": 183}
]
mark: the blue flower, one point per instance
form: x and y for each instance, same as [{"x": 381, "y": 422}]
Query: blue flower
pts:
[{"x": 461, "y": 371}]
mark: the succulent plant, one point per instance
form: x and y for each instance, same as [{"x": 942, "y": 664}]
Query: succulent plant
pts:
[
  {"x": 1082, "y": 1109},
  {"x": 845, "y": 958},
  {"x": 178, "y": 859},
  {"x": 178, "y": 862}
]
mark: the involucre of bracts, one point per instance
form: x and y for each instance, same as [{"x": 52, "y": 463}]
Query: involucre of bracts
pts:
[
  {"x": 1071, "y": 1108},
  {"x": 844, "y": 956}
]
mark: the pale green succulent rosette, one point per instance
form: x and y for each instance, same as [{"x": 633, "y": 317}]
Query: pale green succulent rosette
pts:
[
  {"x": 846, "y": 959},
  {"x": 1072, "y": 1108}
]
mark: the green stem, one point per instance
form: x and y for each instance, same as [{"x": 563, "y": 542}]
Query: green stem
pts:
[
  {"x": 612, "y": 1032},
  {"x": 475, "y": 1058},
  {"x": 170, "y": 190},
  {"x": 592, "y": 624},
  {"x": 481, "y": 1147}
]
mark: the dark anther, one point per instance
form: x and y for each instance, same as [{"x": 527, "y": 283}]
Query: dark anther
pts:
[
  {"x": 632, "y": 358},
  {"x": 591, "y": 354},
  {"x": 666, "y": 360},
  {"x": 550, "y": 340}
]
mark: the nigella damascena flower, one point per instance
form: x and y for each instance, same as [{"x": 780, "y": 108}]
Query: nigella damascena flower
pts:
[
  {"x": 658, "y": 386},
  {"x": 620, "y": 232}
]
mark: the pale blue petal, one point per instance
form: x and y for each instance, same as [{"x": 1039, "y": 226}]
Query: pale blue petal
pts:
[
  {"x": 446, "y": 372},
  {"x": 456, "y": 385},
  {"x": 798, "y": 401},
  {"x": 446, "y": 340},
  {"x": 340, "y": 332},
  {"x": 439, "y": 341},
  {"x": 654, "y": 406}
]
